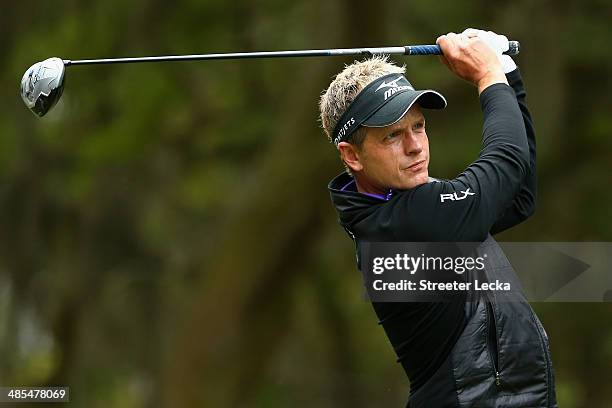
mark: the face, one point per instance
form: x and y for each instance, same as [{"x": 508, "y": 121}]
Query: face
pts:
[{"x": 396, "y": 156}]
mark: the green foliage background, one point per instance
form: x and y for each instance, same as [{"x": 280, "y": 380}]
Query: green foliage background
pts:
[{"x": 166, "y": 236}]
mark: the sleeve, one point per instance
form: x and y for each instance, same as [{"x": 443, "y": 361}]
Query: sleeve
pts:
[
  {"x": 465, "y": 208},
  {"x": 523, "y": 205}
]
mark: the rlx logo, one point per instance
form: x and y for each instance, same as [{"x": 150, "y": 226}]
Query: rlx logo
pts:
[{"x": 455, "y": 197}]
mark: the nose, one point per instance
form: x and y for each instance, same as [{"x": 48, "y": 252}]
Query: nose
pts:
[{"x": 413, "y": 145}]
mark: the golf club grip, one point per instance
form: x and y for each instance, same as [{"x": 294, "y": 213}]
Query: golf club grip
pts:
[{"x": 514, "y": 48}]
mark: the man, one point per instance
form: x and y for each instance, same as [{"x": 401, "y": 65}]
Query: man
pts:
[{"x": 477, "y": 351}]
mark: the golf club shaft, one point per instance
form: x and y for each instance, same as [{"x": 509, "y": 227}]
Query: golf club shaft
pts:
[{"x": 403, "y": 50}]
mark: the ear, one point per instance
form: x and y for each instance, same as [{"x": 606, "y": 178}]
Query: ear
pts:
[{"x": 350, "y": 156}]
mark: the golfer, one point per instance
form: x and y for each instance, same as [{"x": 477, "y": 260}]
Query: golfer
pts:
[{"x": 471, "y": 353}]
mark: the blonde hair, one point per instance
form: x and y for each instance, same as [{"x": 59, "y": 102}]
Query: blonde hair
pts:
[{"x": 345, "y": 87}]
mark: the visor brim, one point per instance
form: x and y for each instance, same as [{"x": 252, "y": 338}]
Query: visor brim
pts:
[{"x": 396, "y": 108}]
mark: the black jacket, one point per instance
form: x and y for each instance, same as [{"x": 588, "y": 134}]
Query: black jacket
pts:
[{"x": 476, "y": 351}]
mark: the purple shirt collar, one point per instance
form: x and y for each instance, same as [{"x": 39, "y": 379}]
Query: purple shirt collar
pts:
[{"x": 386, "y": 197}]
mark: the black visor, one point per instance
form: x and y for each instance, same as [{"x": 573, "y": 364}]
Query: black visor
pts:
[{"x": 383, "y": 102}]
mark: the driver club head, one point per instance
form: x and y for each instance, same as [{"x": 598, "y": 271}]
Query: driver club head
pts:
[{"x": 42, "y": 85}]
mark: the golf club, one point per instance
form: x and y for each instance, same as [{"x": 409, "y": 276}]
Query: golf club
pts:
[{"x": 43, "y": 83}]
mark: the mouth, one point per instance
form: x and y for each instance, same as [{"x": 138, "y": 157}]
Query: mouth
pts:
[{"x": 418, "y": 166}]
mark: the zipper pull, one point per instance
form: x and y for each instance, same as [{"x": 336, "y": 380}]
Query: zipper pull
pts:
[{"x": 497, "y": 380}]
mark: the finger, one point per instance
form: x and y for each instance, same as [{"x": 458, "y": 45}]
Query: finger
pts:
[
  {"x": 443, "y": 41},
  {"x": 471, "y": 41},
  {"x": 471, "y": 32},
  {"x": 454, "y": 47},
  {"x": 463, "y": 38},
  {"x": 464, "y": 42},
  {"x": 443, "y": 60},
  {"x": 447, "y": 43},
  {"x": 457, "y": 38},
  {"x": 451, "y": 35},
  {"x": 452, "y": 40}
]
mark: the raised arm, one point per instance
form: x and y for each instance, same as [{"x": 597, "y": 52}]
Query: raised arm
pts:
[
  {"x": 524, "y": 203},
  {"x": 467, "y": 207}
]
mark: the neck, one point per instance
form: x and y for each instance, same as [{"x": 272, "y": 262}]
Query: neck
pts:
[{"x": 363, "y": 186}]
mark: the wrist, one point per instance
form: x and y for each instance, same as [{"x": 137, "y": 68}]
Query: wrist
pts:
[{"x": 496, "y": 76}]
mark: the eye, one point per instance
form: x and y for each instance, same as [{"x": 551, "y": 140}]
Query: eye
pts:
[
  {"x": 393, "y": 135},
  {"x": 419, "y": 125}
]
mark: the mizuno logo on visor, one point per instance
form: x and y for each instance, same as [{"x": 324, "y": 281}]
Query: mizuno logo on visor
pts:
[{"x": 392, "y": 84}]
